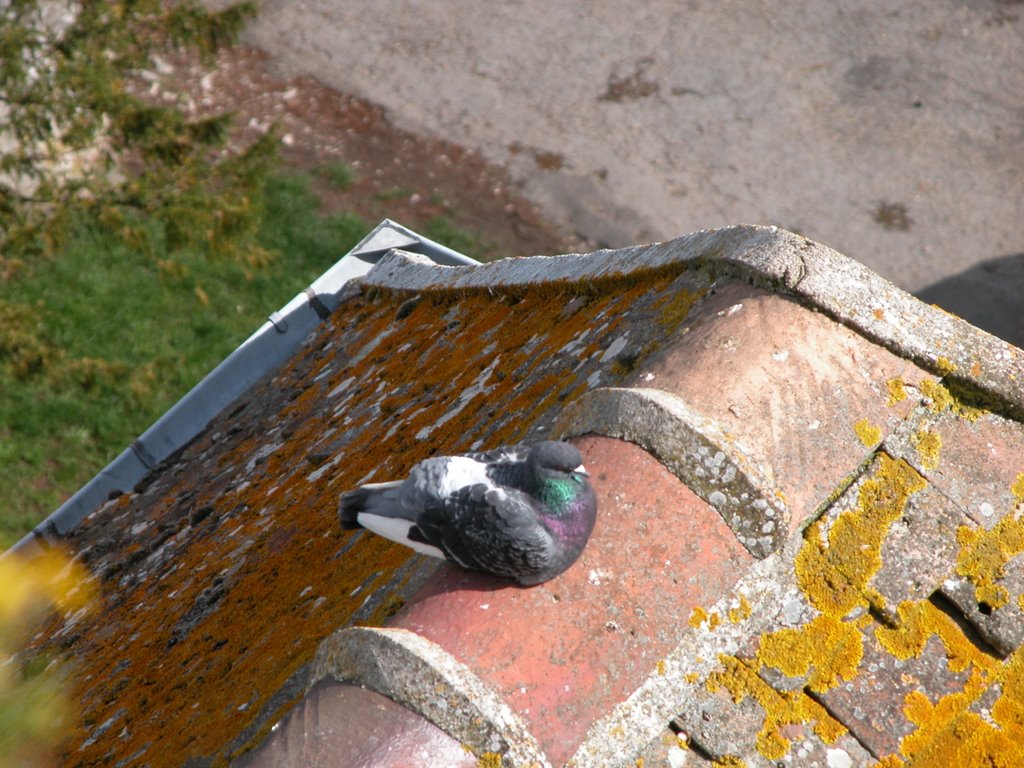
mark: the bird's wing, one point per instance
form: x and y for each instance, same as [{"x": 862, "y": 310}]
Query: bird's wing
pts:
[
  {"x": 488, "y": 528},
  {"x": 509, "y": 454}
]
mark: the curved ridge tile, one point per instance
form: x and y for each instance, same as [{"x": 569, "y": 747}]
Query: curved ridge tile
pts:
[
  {"x": 420, "y": 675},
  {"x": 713, "y": 465}
]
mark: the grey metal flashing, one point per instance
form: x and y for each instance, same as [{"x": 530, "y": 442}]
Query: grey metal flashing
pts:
[
  {"x": 781, "y": 262},
  {"x": 420, "y": 675},
  {"x": 712, "y": 465},
  {"x": 264, "y": 351}
]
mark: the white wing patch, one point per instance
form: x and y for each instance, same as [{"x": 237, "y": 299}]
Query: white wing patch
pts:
[
  {"x": 396, "y": 530},
  {"x": 462, "y": 471},
  {"x": 381, "y": 486}
]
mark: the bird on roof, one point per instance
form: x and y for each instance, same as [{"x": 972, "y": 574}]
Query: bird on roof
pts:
[{"x": 520, "y": 512}]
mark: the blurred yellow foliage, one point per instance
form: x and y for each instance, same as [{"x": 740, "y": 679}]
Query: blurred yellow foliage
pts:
[{"x": 34, "y": 705}]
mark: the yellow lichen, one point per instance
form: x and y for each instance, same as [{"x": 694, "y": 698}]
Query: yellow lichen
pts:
[
  {"x": 949, "y": 733},
  {"x": 698, "y": 616},
  {"x": 675, "y": 308},
  {"x": 701, "y": 616},
  {"x": 920, "y": 621},
  {"x": 869, "y": 434},
  {"x": 940, "y": 398},
  {"x": 730, "y": 761},
  {"x": 984, "y": 553},
  {"x": 897, "y": 391},
  {"x": 660, "y": 667},
  {"x": 928, "y": 444},
  {"x": 827, "y": 651},
  {"x": 489, "y": 760},
  {"x": 945, "y": 366},
  {"x": 833, "y": 569},
  {"x": 781, "y": 708},
  {"x": 741, "y": 612},
  {"x": 1017, "y": 489},
  {"x": 834, "y": 572}
]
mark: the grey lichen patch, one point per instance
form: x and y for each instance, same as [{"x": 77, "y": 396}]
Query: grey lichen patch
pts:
[
  {"x": 712, "y": 465},
  {"x": 420, "y": 675}
]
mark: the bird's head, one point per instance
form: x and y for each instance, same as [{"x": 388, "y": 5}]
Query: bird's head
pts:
[{"x": 556, "y": 460}]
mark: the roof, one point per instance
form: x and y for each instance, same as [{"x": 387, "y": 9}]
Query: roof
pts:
[
  {"x": 807, "y": 551},
  {"x": 266, "y": 349}
]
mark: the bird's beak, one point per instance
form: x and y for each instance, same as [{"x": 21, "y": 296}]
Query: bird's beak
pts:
[{"x": 581, "y": 470}]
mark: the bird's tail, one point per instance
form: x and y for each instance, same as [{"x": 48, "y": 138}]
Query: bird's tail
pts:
[{"x": 379, "y": 499}]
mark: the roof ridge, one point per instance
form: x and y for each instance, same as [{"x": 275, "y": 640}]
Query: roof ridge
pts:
[{"x": 984, "y": 367}]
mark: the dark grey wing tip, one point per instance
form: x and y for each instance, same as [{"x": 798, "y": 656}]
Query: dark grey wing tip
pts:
[{"x": 349, "y": 507}]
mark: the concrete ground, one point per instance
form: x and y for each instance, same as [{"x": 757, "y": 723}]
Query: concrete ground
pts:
[{"x": 890, "y": 131}]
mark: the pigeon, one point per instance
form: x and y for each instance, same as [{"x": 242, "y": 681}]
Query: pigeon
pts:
[{"x": 519, "y": 512}]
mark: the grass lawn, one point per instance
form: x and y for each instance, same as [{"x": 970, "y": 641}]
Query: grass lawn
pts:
[{"x": 99, "y": 340}]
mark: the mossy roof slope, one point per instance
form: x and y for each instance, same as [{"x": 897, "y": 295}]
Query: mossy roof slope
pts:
[{"x": 224, "y": 569}]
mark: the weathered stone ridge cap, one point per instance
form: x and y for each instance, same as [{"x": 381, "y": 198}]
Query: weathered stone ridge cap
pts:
[
  {"x": 719, "y": 469},
  {"x": 779, "y": 261},
  {"x": 423, "y": 677}
]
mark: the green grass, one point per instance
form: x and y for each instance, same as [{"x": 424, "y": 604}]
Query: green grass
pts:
[
  {"x": 338, "y": 174},
  {"x": 99, "y": 340},
  {"x": 443, "y": 230},
  {"x": 394, "y": 193}
]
